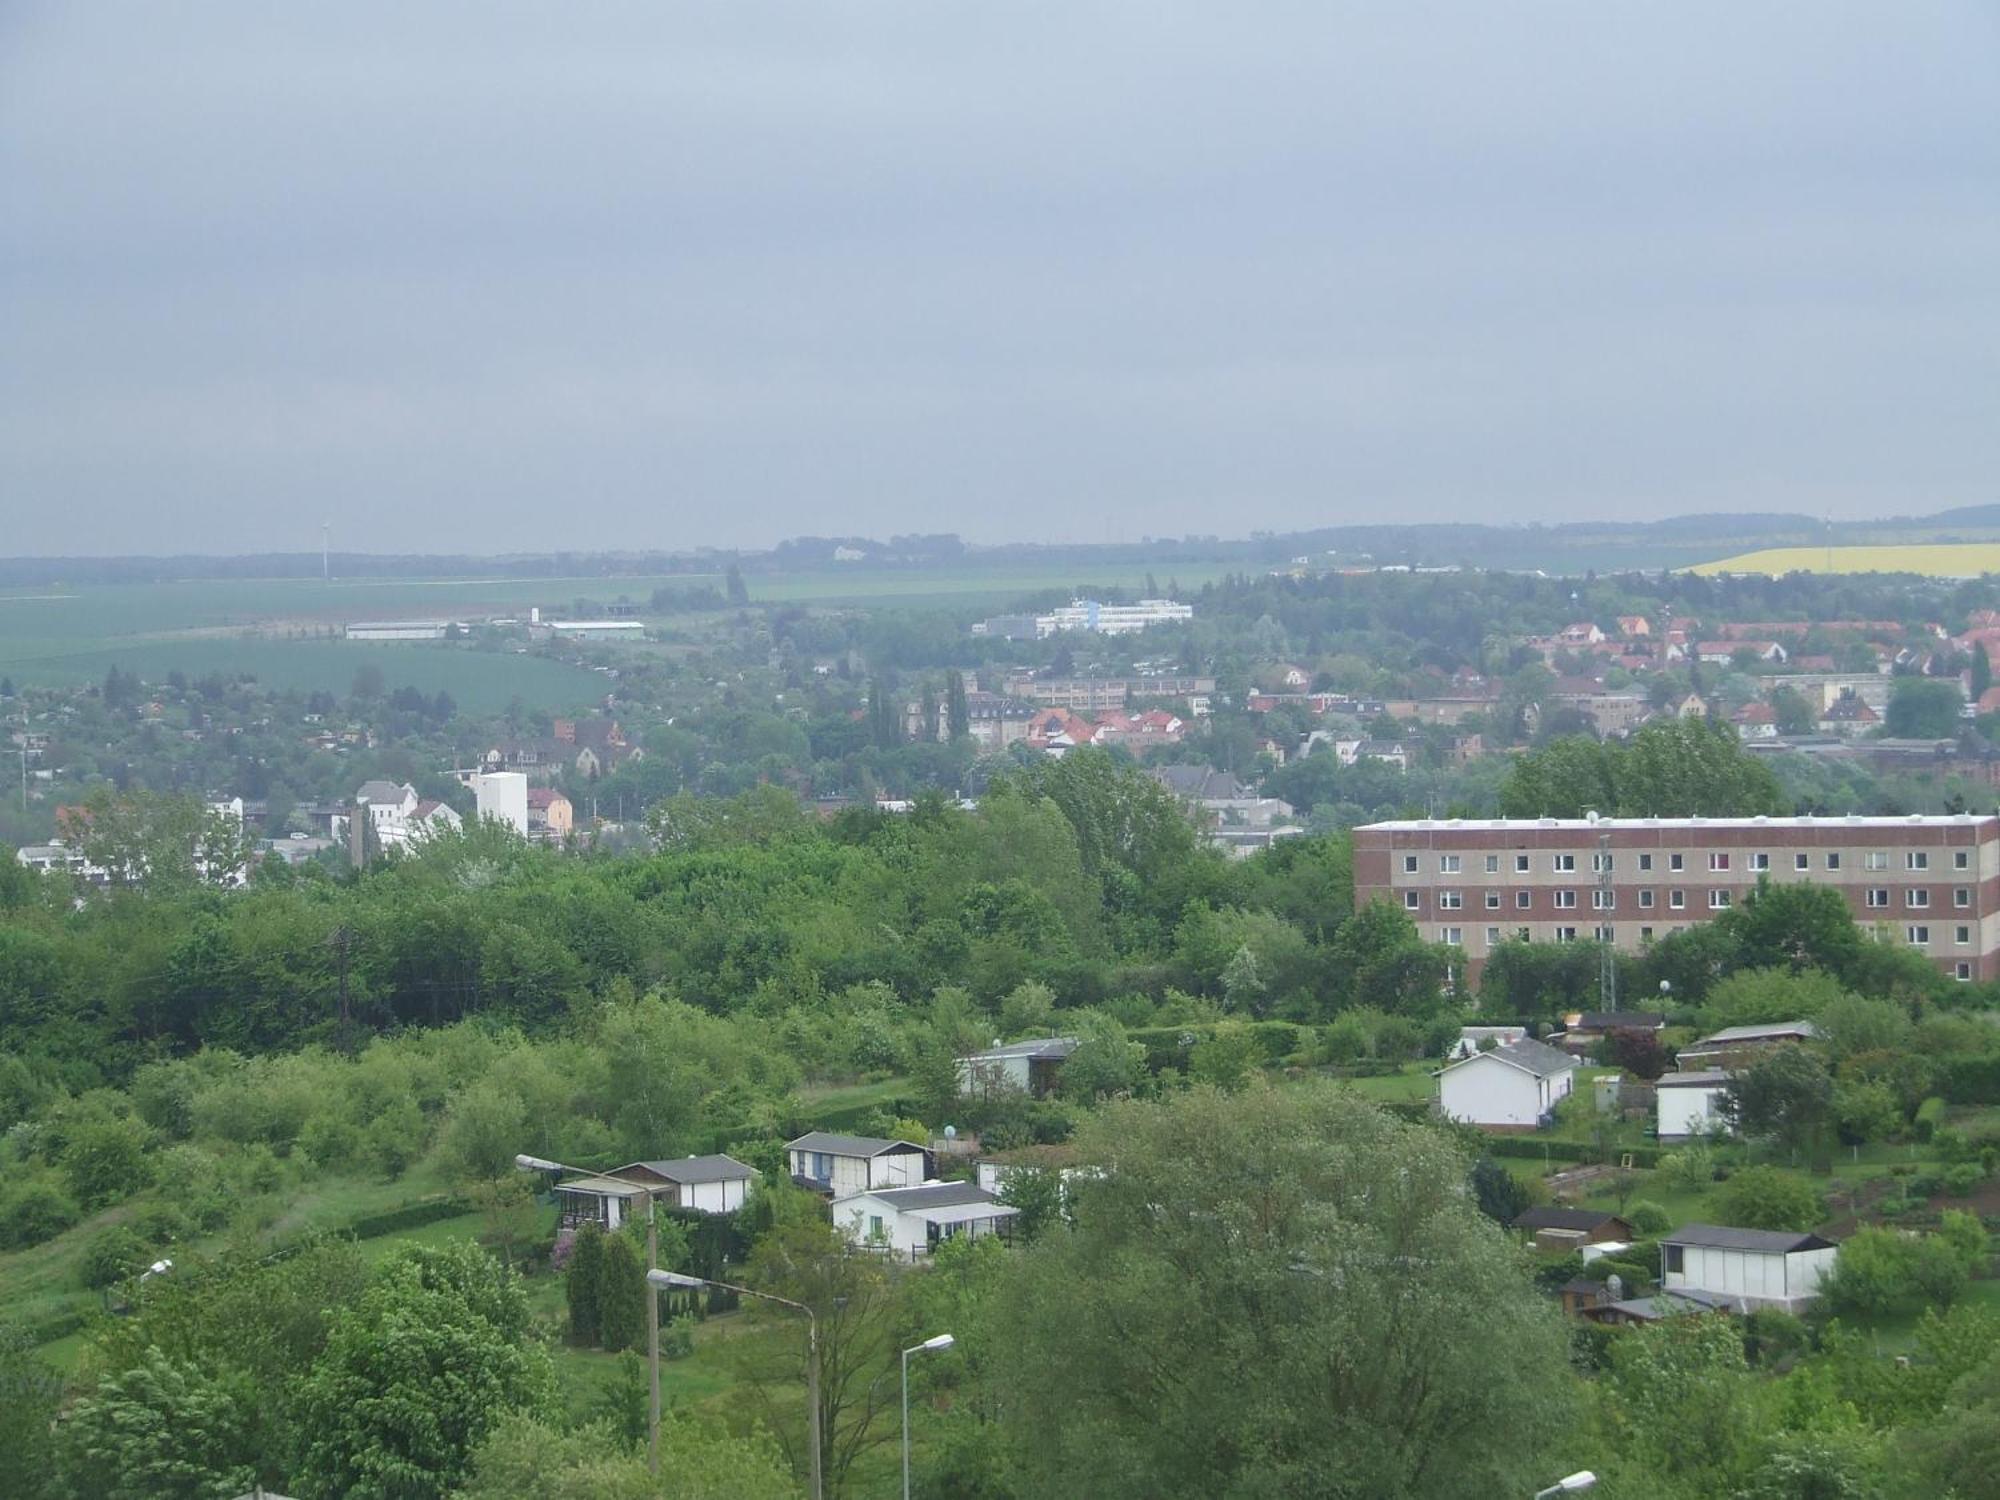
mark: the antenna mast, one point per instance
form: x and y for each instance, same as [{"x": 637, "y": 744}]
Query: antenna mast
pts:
[{"x": 1607, "y": 952}]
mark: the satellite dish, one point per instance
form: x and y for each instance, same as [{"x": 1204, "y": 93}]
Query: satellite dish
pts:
[{"x": 1615, "y": 1284}]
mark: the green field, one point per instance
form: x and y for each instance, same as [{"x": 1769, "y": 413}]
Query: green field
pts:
[{"x": 275, "y": 629}]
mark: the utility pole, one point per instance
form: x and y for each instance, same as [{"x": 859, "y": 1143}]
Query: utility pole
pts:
[
  {"x": 325, "y": 554},
  {"x": 339, "y": 939}
]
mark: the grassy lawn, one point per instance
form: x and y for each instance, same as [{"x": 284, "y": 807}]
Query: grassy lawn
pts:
[{"x": 841, "y": 1107}]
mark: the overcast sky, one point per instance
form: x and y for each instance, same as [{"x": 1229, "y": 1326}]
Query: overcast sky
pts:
[{"x": 491, "y": 276}]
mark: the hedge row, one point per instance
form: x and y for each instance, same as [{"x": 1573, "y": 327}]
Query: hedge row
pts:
[
  {"x": 1539, "y": 1148},
  {"x": 1168, "y": 1046},
  {"x": 409, "y": 1216},
  {"x": 1971, "y": 1080}
]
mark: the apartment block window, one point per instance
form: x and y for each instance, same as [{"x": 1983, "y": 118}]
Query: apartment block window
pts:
[
  {"x": 1450, "y": 900},
  {"x": 1493, "y": 901},
  {"x": 1447, "y": 864},
  {"x": 1917, "y": 859},
  {"x": 1676, "y": 862},
  {"x": 1877, "y": 896},
  {"x": 1645, "y": 934},
  {"x": 1677, "y": 899},
  {"x": 1961, "y": 859},
  {"x": 1411, "y": 901},
  {"x": 1718, "y": 900},
  {"x": 1604, "y": 935},
  {"x": 1409, "y": 864},
  {"x": 1565, "y": 934},
  {"x": 1524, "y": 934},
  {"x": 1833, "y": 859},
  {"x": 1562, "y": 864},
  {"x": 1760, "y": 861},
  {"x": 1645, "y": 900},
  {"x": 1492, "y": 864},
  {"x": 1919, "y": 936},
  {"x": 1565, "y": 900},
  {"x": 1492, "y": 938},
  {"x": 1875, "y": 859},
  {"x": 1454, "y": 936},
  {"x": 1917, "y": 898},
  {"x": 1961, "y": 897},
  {"x": 1603, "y": 900},
  {"x": 1963, "y": 973},
  {"x": 1800, "y": 861},
  {"x": 1961, "y": 934},
  {"x": 1523, "y": 900},
  {"x": 1718, "y": 859},
  {"x": 1645, "y": 861},
  {"x": 1599, "y": 863},
  {"x": 1520, "y": 864}
]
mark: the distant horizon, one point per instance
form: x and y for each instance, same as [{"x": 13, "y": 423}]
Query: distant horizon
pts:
[{"x": 1987, "y": 515}]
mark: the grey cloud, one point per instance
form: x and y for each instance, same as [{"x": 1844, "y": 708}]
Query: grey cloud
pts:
[{"x": 645, "y": 275}]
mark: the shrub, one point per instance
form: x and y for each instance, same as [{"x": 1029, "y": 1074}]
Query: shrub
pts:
[
  {"x": 159, "y": 1223},
  {"x": 1930, "y": 1115},
  {"x": 1691, "y": 1169},
  {"x": 1648, "y": 1218},
  {"x": 677, "y": 1338},
  {"x": 34, "y": 1211},
  {"x": 1772, "y": 1336},
  {"x": 1766, "y": 1198},
  {"x": 111, "y": 1256},
  {"x": 105, "y": 1161},
  {"x": 1960, "y": 1181}
]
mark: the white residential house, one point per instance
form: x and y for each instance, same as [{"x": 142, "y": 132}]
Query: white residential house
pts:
[
  {"x": 1741, "y": 1043},
  {"x": 1470, "y": 1037},
  {"x": 1754, "y": 1267},
  {"x": 706, "y": 1184},
  {"x": 1690, "y": 1104},
  {"x": 913, "y": 1221},
  {"x": 399, "y": 817},
  {"x": 843, "y": 1165},
  {"x": 1513, "y": 1087},
  {"x": 709, "y": 1184},
  {"x": 1029, "y": 1067}
]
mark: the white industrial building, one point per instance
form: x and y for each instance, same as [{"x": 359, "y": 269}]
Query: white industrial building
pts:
[
  {"x": 1691, "y": 1104},
  {"x": 1112, "y": 619},
  {"x": 398, "y": 630},
  {"x": 914, "y": 1221},
  {"x": 1753, "y": 1267},
  {"x": 1513, "y": 1087},
  {"x": 500, "y": 795},
  {"x": 606, "y": 629}
]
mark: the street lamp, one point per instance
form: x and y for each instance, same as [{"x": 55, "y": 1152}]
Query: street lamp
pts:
[
  {"x": 669, "y": 1280},
  {"x": 528, "y": 1163},
  {"x": 942, "y": 1341},
  {"x": 1583, "y": 1479}
]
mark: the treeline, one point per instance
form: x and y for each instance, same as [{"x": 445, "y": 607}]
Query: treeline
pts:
[{"x": 1079, "y": 875}]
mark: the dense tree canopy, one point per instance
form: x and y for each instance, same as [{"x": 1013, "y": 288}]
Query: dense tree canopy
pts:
[{"x": 1300, "y": 1235}]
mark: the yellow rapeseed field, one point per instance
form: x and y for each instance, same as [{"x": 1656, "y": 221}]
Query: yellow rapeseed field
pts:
[{"x": 1944, "y": 560}]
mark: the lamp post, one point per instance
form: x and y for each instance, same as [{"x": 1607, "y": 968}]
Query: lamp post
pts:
[
  {"x": 1583, "y": 1479},
  {"x": 543, "y": 1164},
  {"x": 667, "y": 1280},
  {"x": 942, "y": 1341}
]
